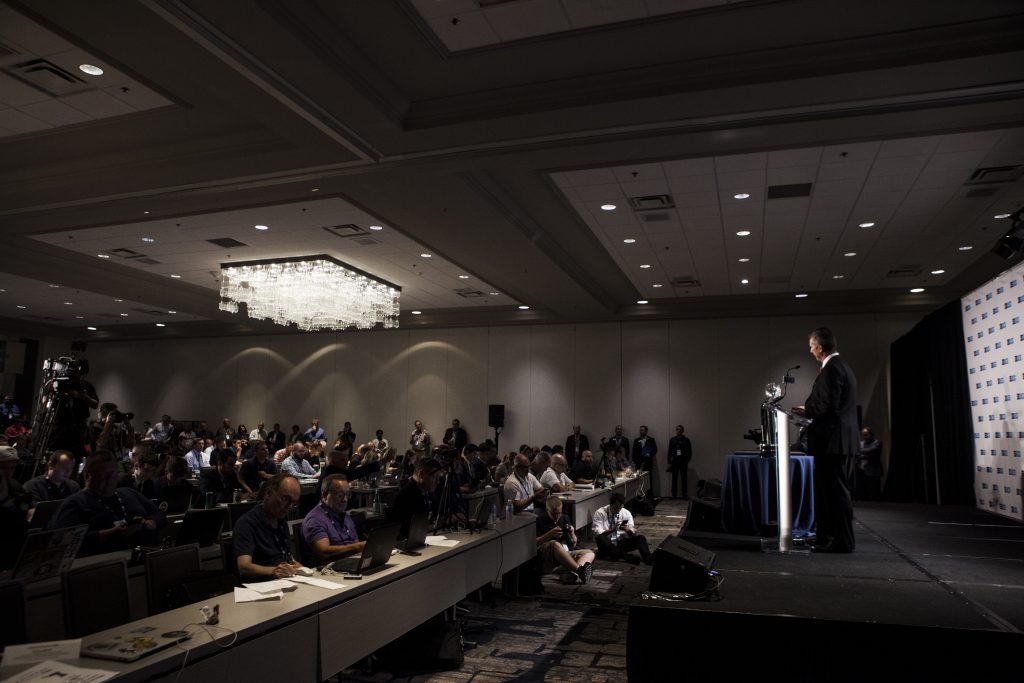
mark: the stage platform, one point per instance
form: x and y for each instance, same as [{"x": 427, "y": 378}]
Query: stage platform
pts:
[{"x": 929, "y": 589}]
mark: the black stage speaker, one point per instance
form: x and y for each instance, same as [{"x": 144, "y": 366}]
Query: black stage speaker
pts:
[
  {"x": 703, "y": 516},
  {"x": 496, "y": 415},
  {"x": 680, "y": 567}
]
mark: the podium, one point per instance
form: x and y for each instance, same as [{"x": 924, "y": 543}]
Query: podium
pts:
[{"x": 775, "y": 443}]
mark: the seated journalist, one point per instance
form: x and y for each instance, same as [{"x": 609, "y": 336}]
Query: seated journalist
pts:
[
  {"x": 263, "y": 544},
  {"x": 328, "y": 530}
]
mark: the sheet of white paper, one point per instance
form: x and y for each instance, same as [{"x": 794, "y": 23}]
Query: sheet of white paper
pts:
[
  {"x": 441, "y": 541},
  {"x": 65, "y": 673},
  {"x": 40, "y": 652},
  {"x": 320, "y": 583},
  {"x": 246, "y": 595},
  {"x": 275, "y": 586}
]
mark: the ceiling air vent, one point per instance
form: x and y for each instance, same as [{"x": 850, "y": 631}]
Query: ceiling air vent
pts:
[
  {"x": 995, "y": 174},
  {"x": 227, "y": 242},
  {"x": 980, "y": 192},
  {"x": 47, "y": 76},
  {"x": 150, "y": 311},
  {"x": 788, "y": 191},
  {"x": 652, "y": 202},
  {"x": 904, "y": 271},
  {"x": 685, "y": 281},
  {"x": 346, "y": 230},
  {"x": 658, "y": 217},
  {"x": 149, "y": 261},
  {"x": 365, "y": 241},
  {"x": 123, "y": 252},
  {"x": 469, "y": 293}
]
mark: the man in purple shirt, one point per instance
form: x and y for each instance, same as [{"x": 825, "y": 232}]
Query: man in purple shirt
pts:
[{"x": 327, "y": 530}]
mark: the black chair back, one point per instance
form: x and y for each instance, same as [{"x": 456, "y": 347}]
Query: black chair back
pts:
[
  {"x": 164, "y": 569},
  {"x": 13, "y": 629},
  {"x": 96, "y": 597}
]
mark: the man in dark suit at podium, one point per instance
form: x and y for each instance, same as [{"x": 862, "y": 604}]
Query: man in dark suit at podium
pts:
[{"x": 833, "y": 440}]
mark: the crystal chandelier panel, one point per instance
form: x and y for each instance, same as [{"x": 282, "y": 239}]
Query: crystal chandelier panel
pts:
[{"x": 312, "y": 292}]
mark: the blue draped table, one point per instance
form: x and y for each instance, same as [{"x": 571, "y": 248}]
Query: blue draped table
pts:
[{"x": 749, "y": 494}]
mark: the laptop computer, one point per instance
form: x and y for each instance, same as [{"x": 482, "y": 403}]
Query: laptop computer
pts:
[
  {"x": 129, "y": 646},
  {"x": 418, "y": 527},
  {"x": 45, "y": 554},
  {"x": 43, "y": 513},
  {"x": 376, "y": 552},
  {"x": 201, "y": 526}
]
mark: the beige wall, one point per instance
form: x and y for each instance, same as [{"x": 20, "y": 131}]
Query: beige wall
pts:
[{"x": 706, "y": 374}]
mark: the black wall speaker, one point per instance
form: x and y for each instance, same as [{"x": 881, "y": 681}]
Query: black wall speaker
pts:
[
  {"x": 680, "y": 567},
  {"x": 496, "y": 415}
]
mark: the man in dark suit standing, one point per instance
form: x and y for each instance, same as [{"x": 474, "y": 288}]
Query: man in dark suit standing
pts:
[
  {"x": 644, "y": 450},
  {"x": 456, "y": 437},
  {"x": 575, "y": 444},
  {"x": 680, "y": 451},
  {"x": 833, "y": 440}
]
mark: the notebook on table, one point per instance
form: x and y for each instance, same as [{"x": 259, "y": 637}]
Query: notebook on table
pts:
[
  {"x": 376, "y": 552},
  {"x": 45, "y": 554},
  {"x": 43, "y": 513}
]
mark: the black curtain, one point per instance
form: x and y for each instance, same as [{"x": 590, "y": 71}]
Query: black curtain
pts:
[{"x": 932, "y": 453}]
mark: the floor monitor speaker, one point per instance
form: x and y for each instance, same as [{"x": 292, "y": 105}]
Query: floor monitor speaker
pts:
[{"x": 680, "y": 567}]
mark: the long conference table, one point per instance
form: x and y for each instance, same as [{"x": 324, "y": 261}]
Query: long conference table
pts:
[
  {"x": 313, "y": 633},
  {"x": 580, "y": 505}
]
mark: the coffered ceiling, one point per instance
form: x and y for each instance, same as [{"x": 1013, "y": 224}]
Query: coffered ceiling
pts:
[{"x": 492, "y": 142}]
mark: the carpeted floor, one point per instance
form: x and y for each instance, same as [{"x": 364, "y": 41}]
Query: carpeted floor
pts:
[{"x": 569, "y": 633}]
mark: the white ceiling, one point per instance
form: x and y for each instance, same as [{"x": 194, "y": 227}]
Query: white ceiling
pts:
[{"x": 495, "y": 155}]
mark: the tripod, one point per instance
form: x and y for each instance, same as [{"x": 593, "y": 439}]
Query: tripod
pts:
[{"x": 48, "y": 405}]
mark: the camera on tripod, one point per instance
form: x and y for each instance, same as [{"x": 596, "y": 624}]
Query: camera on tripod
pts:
[{"x": 58, "y": 373}]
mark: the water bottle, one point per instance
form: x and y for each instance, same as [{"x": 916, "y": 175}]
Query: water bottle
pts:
[
  {"x": 377, "y": 510},
  {"x": 510, "y": 509},
  {"x": 492, "y": 518}
]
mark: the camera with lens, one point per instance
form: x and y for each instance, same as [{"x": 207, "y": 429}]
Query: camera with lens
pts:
[
  {"x": 118, "y": 416},
  {"x": 61, "y": 373}
]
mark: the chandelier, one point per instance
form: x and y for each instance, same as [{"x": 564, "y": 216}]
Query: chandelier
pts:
[{"x": 313, "y": 292}]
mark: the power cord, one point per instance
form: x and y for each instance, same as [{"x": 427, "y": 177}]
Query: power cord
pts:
[
  {"x": 709, "y": 594},
  {"x": 210, "y": 619}
]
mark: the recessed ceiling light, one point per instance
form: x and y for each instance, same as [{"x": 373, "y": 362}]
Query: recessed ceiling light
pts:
[
  {"x": 608, "y": 207},
  {"x": 103, "y": 255},
  {"x": 742, "y": 233},
  {"x": 93, "y": 329},
  {"x": 79, "y": 317},
  {"x": 869, "y": 224},
  {"x": 743, "y": 260},
  {"x": 20, "y": 306},
  {"x": 1001, "y": 215},
  {"x": 838, "y": 277},
  {"x": 172, "y": 312},
  {"x": 965, "y": 247},
  {"x": 90, "y": 69},
  {"x": 917, "y": 290},
  {"x": 161, "y": 325},
  {"x": 524, "y": 308},
  {"x": 744, "y": 281},
  {"x": 940, "y": 271},
  {"x": 645, "y": 265},
  {"x": 146, "y": 213},
  {"x": 463, "y": 277},
  {"x": 68, "y": 303},
  {"x": 493, "y": 293},
  {"x": 800, "y": 296},
  {"x": 656, "y": 286},
  {"x": 416, "y": 312},
  {"x": 262, "y": 227},
  {"x": 176, "y": 277},
  {"x": 118, "y": 300},
  {"x": 148, "y": 239},
  {"x": 315, "y": 189},
  {"x": 376, "y": 227},
  {"x": 124, "y": 315},
  {"x": 741, "y": 195},
  {"x": 641, "y": 301},
  {"x": 850, "y": 253},
  {"x": 54, "y": 286},
  {"x": 629, "y": 240},
  {"x": 426, "y": 255}
]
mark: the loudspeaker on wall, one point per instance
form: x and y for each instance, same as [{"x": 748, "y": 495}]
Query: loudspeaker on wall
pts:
[{"x": 496, "y": 415}]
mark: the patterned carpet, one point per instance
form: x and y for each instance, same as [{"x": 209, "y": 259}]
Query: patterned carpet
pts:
[{"x": 568, "y": 633}]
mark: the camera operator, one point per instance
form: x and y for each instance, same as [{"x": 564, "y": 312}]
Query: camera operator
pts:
[{"x": 74, "y": 398}]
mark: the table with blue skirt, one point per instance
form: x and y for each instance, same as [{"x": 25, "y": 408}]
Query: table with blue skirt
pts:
[{"x": 749, "y": 494}]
